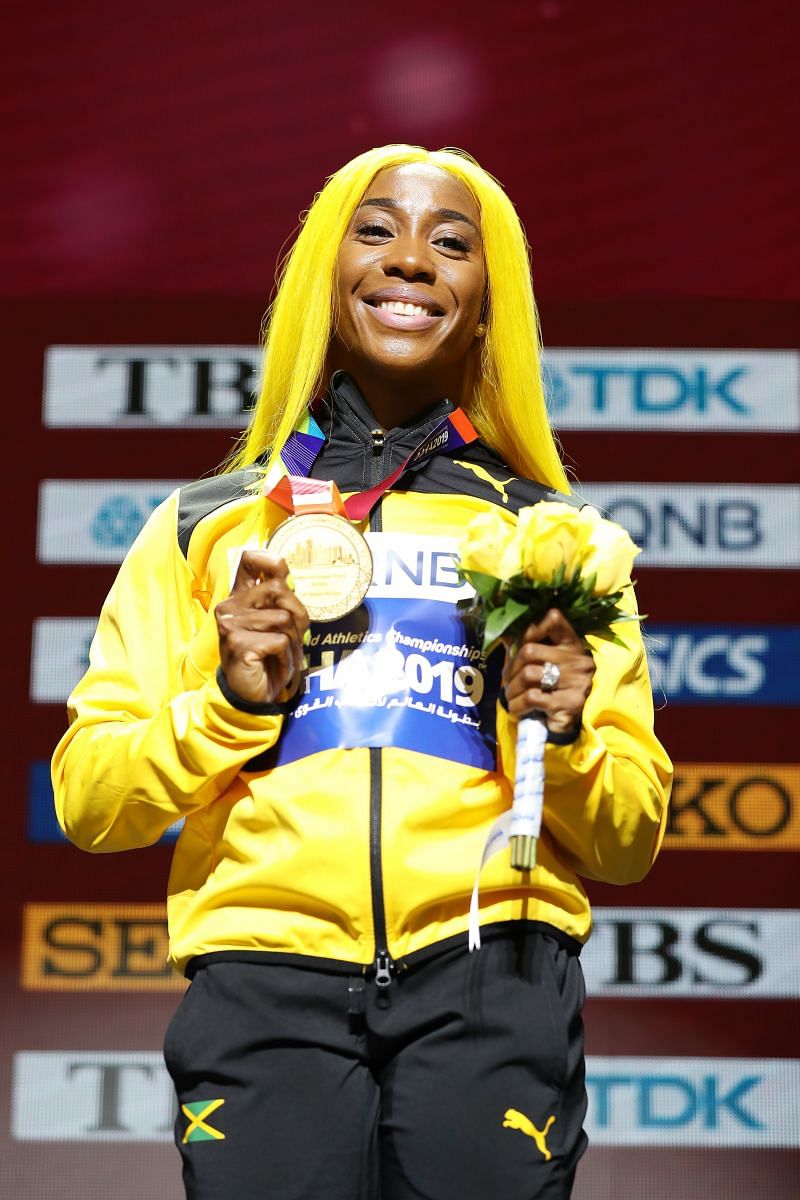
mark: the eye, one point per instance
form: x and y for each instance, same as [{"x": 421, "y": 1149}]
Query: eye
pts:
[
  {"x": 453, "y": 242},
  {"x": 373, "y": 229}
]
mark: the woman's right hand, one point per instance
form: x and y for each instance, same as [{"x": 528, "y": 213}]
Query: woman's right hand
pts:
[{"x": 261, "y": 629}]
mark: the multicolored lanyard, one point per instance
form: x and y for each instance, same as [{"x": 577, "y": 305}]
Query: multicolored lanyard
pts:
[{"x": 288, "y": 485}]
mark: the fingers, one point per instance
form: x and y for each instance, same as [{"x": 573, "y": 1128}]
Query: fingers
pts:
[
  {"x": 263, "y": 582},
  {"x": 554, "y": 629},
  {"x": 256, "y": 567},
  {"x": 261, "y": 626},
  {"x": 522, "y": 676}
]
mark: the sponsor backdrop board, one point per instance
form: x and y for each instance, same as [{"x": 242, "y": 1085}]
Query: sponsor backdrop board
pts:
[
  {"x": 676, "y": 525},
  {"x": 93, "y": 520},
  {"x": 653, "y": 953},
  {"x": 123, "y": 1096},
  {"x": 743, "y": 391},
  {"x": 699, "y": 948},
  {"x": 689, "y": 664},
  {"x": 139, "y": 260}
]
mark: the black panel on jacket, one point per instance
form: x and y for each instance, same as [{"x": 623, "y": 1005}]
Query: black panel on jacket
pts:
[{"x": 204, "y": 496}]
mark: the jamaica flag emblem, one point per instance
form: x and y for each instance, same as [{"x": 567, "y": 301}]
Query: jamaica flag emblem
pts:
[{"x": 197, "y": 1113}]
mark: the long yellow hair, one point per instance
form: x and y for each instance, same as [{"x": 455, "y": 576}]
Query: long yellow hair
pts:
[{"x": 507, "y": 406}]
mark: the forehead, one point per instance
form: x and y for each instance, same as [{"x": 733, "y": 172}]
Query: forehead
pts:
[{"x": 423, "y": 186}]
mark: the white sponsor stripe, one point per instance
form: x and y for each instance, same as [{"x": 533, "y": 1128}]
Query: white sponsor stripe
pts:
[
  {"x": 693, "y": 1101},
  {"x": 739, "y": 953},
  {"x": 415, "y": 566},
  {"x": 677, "y": 525},
  {"x": 91, "y": 1097},
  {"x": 714, "y": 1102},
  {"x": 59, "y": 656},
  {"x": 714, "y": 390},
  {"x": 739, "y": 390},
  {"x": 149, "y": 386},
  {"x": 705, "y": 525},
  {"x": 94, "y": 520}
]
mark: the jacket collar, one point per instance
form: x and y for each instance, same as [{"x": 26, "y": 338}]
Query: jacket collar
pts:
[{"x": 345, "y": 401}]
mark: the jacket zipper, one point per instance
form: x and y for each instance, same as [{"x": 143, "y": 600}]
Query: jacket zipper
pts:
[{"x": 383, "y": 964}]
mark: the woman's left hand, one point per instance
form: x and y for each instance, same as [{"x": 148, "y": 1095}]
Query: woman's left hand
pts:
[{"x": 552, "y": 640}]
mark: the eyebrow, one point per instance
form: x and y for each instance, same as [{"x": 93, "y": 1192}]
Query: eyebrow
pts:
[{"x": 447, "y": 214}]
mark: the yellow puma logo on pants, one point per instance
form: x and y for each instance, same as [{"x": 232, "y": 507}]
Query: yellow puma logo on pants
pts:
[{"x": 517, "y": 1120}]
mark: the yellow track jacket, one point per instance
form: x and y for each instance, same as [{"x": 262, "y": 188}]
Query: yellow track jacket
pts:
[{"x": 347, "y": 828}]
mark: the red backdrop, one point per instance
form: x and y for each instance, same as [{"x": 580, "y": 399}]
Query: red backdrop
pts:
[{"x": 155, "y": 159}]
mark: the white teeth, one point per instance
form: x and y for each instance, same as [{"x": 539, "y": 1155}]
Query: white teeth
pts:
[{"x": 404, "y": 310}]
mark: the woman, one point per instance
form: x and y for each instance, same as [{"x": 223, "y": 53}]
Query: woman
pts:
[{"x": 338, "y": 1039}]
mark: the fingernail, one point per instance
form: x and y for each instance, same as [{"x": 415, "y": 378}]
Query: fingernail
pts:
[
  {"x": 290, "y": 583},
  {"x": 306, "y": 637}
]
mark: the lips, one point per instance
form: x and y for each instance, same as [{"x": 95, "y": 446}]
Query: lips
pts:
[{"x": 403, "y": 308}]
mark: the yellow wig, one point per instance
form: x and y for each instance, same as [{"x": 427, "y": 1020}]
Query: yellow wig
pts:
[{"x": 507, "y": 407}]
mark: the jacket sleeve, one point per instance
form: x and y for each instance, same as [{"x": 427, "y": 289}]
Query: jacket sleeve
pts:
[
  {"x": 142, "y": 748},
  {"x": 606, "y": 793}
]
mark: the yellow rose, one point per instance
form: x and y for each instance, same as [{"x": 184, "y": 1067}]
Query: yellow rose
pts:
[
  {"x": 485, "y": 545},
  {"x": 610, "y": 553},
  {"x": 551, "y": 535}
]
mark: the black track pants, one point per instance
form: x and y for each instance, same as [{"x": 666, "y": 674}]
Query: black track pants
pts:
[{"x": 463, "y": 1080}]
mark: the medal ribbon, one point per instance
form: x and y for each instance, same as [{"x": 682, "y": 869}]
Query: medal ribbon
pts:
[{"x": 295, "y": 492}]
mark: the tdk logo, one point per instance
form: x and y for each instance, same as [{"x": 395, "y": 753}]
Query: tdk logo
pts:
[
  {"x": 692, "y": 1101},
  {"x": 673, "y": 1101},
  {"x": 672, "y": 389},
  {"x": 646, "y": 390}
]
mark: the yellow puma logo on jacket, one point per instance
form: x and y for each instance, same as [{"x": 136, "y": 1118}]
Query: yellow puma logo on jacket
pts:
[
  {"x": 499, "y": 485},
  {"x": 517, "y": 1120}
]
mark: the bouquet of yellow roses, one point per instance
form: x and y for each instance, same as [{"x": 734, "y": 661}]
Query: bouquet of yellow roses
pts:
[{"x": 557, "y": 556}]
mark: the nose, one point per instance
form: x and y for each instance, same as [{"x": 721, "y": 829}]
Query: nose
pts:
[{"x": 409, "y": 258}]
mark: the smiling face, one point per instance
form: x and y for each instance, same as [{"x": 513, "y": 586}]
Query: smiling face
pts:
[{"x": 410, "y": 287}]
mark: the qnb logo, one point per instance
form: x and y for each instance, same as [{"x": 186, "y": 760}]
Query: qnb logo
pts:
[
  {"x": 717, "y": 666},
  {"x": 663, "y": 524},
  {"x": 673, "y": 1101},
  {"x": 119, "y": 519},
  {"x": 706, "y": 525}
]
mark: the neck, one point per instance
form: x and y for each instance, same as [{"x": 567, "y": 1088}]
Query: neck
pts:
[
  {"x": 397, "y": 401},
  {"x": 393, "y": 407}
]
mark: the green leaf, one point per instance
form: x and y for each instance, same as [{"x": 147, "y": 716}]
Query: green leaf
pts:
[
  {"x": 485, "y": 585},
  {"x": 608, "y": 635},
  {"x": 500, "y": 619}
]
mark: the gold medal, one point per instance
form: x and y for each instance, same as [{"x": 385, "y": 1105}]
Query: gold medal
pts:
[{"x": 330, "y": 562}]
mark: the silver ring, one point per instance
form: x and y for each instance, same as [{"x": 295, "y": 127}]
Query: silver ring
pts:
[{"x": 550, "y": 677}]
